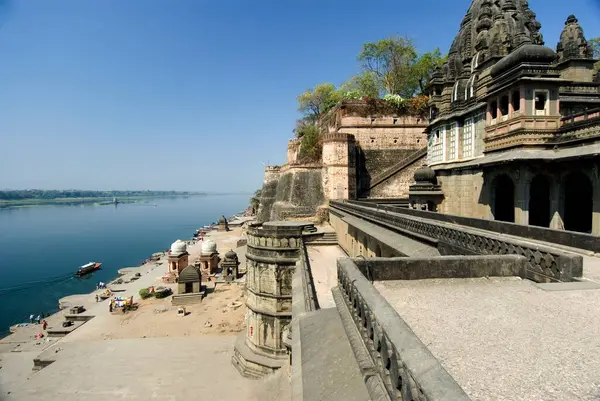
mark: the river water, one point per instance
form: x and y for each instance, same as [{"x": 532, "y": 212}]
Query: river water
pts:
[{"x": 41, "y": 247}]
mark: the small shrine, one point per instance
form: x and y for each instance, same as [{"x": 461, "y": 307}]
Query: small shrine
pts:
[
  {"x": 230, "y": 266},
  {"x": 209, "y": 259},
  {"x": 190, "y": 280},
  {"x": 223, "y": 224},
  {"x": 178, "y": 257},
  {"x": 189, "y": 288}
]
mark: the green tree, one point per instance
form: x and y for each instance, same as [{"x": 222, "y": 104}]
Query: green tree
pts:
[
  {"x": 310, "y": 144},
  {"x": 397, "y": 67},
  {"x": 595, "y": 45},
  {"x": 363, "y": 84},
  {"x": 317, "y": 101}
]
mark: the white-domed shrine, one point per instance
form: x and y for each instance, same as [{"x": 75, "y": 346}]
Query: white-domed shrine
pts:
[
  {"x": 178, "y": 257},
  {"x": 178, "y": 247},
  {"x": 209, "y": 259},
  {"x": 209, "y": 247}
]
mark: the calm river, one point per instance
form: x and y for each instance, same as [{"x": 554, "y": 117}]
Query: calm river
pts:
[{"x": 41, "y": 247}]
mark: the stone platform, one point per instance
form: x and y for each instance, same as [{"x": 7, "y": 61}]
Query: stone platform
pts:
[
  {"x": 253, "y": 364},
  {"x": 506, "y": 338}
]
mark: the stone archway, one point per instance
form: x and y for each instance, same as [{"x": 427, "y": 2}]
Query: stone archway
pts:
[
  {"x": 578, "y": 207},
  {"x": 539, "y": 202},
  {"x": 503, "y": 190}
]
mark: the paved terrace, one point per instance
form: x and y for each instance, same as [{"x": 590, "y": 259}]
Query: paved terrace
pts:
[{"x": 506, "y": 338}]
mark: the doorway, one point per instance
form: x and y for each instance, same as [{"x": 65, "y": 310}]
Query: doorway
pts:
[
  {"x": 578, "y": 203},
  {"x": 504, "y": 199},
  {"x": 539, "y": 202}
]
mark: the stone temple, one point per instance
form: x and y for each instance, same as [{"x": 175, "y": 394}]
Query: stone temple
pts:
[{"x": 471, "y": 235}]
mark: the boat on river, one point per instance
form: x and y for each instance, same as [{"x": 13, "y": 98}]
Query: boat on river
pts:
[{"x": 88, "y": 268}]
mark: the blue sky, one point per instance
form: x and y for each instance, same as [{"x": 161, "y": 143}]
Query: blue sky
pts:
[{"x": 189, "y": 94}]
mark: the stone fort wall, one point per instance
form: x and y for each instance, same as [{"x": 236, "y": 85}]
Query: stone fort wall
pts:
[{"x": 359, "y": 145}]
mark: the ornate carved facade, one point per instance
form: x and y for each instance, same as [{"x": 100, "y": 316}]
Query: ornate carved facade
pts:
[{"x": 510, "y": 115}]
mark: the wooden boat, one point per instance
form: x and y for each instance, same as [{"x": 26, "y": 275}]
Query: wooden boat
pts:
[{"x": 88, "y": 268}]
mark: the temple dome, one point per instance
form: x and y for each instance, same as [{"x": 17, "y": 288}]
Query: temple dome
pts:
[
  {"x": 178, "y": 247},
  {"x": 425, "y": 174},
  {"x": 208, "y": 247},
  {"x": 490, "y": 29},
  {"x": 231, "y": 254},
  {"x": 572, "y": 44},
  {"x": 222, "y": 219},
  {"x": 524, "y": 54}
]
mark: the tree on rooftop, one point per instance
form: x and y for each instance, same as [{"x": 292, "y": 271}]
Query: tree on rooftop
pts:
[
  {"x": 317, "y": 101},
  {"x": 397, "y": 67}
]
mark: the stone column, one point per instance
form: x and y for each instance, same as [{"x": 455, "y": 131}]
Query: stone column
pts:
[
  {"x": 339, "y": 166},
  {"x": 271, "y": 256},
  {"x": 523, "y": 183}
]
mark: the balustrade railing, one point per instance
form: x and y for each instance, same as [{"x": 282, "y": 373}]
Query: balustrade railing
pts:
[
  {"x": 544, "y": 263},
  {"x": 407, "y": 368}
]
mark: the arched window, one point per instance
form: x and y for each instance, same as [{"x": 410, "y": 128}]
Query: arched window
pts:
[
  {"x": 470, "y": 88},
  {"x": 455, "y": 92},
  {"x": 475, "y": 62}
]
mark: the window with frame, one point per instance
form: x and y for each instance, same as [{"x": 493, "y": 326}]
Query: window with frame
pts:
[
  {"x": 468, "y": 139},
  {"x": 452, "y": 141},
  {"x": 435, "y": 149},
  {"x": 541, "y": 103}
]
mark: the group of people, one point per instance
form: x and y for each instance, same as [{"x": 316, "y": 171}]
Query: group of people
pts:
[
  {"x": 39, "y": 320},
  {"x": 100, "y": 285}
]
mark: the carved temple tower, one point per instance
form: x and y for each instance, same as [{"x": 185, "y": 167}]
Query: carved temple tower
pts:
[{"x": 514, "y": 124}]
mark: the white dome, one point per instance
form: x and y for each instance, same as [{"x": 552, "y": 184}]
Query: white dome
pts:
[
  {"x": 178, "y": 247},
  {"x": 209, "y": 247}
]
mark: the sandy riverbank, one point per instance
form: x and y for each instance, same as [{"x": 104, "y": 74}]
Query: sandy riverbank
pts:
[{"x": 220, "y": 314}]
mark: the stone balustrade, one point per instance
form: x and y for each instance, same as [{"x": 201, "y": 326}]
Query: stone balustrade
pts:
[
  {"x": 544, "y": 263},
  {"x": 398, "y": 365}
]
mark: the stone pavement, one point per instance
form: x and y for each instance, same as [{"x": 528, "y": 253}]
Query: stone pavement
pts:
[
  {"x": 506, "y": 339},
  {"x": 140, "y": 369},
  {"x": 324, "y": 271}
]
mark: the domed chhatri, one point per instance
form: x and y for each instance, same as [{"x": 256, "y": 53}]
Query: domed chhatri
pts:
[
  {"x": 223, "y": 224},
  {"x": 178, "y": 258},
  {"x": 209, "y": 247},
  {"x": 178, "y": 247},
  {"x": 231, "y": 255},
  {"x": 425, "y": 174}
]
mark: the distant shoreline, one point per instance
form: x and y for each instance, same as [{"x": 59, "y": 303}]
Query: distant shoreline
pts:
[{"x": 100, "y": 200}]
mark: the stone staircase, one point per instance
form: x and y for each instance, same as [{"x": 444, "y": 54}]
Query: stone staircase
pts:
[{"x": 326, "y": 238}]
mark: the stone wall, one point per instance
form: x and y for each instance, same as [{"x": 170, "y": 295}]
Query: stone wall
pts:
[
  {"x": 397, "y": 185},
  {"x": 269, "y": 193},
  {"x": 299, "y": 192},
  {"x": 463, "y": 193}
]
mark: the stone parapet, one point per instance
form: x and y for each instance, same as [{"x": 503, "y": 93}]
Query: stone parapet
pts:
[
  {"x": 544, "y": 263},
  {"x": 395, "y": 363},
  {"x": 442, "y": 267},
  {"x": 337, "y": 137}
]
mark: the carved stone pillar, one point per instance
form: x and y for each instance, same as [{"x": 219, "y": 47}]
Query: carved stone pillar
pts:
[
  {"x": 272, "y": 252},
  {"x": 523, "y": 184}
]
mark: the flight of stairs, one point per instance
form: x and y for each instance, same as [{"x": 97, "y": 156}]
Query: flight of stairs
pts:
[{"x": 327, "y": 238}]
